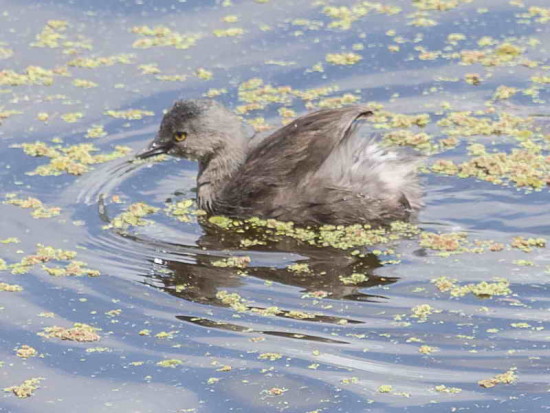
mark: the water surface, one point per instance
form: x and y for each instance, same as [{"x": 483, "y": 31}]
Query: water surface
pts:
[{"x": 161, "y": 277}]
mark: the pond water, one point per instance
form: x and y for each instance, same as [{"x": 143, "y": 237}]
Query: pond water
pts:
[{"x": 180, "y": 328}]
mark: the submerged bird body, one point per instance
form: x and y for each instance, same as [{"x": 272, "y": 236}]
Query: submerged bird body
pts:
[{"x": 315, "y": 170}]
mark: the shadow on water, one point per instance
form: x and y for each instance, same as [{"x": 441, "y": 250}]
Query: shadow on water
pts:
[{"x": 203, "y": 279}]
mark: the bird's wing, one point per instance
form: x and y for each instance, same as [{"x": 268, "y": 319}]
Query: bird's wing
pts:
[
  {"x": 301, "y": 147},
  {"x": 285, "y": 159}
]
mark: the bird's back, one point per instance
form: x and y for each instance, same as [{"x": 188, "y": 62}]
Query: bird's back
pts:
[{"x": 316, "y": 170}]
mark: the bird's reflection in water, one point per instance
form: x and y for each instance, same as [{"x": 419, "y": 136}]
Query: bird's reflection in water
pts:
[{"x": 200, "y": 281}]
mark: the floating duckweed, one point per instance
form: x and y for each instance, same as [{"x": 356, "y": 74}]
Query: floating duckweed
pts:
[
  {"x": 212, "y": 93},
  {"x": 335, "y": 102},
  {"x": 85, "y": 84},
  {"x": 444, "y": 284},
  {"x": 221, "y": 221},
  {"x": 74, "y": 268},
  {"x": 524, "y": 168},
  {"x": 386, "y": 120},
  {"x": 427, "y": 349},
  {"x": 113, "y": 313},
  {"x": 299, "y": 268},
  {"x": 7, "y": 113},
  {"x": 72, "y": 117},
  {"x": 355, "y": 278},
  {"x": 521, "y": 325},
  {"x": 527, "y": 244},
  {"x": 484, "y": 289},
  {"x": 74, "y": 160},
  {"x": 171, "y": 78},
  {"x": 259, "y": 124},
  {"x": 472, "y": 78},
  {"x": 349, "y": 380},
  {"x": 299, "y": 315},
  {"x": 385, "y": 388},
  {"x": 149, "y": 69},
  {"x": 181, "y": 210},
  {"x": 422, "y": 311},
  {"x": 454, "y": 38},
  {"x": 33, "y": 75},
  {"x": 343, "y": 16},
  {"x": 270, "y": 356},
  {"x": 503, "y": 54},
  {"x": 504, "y": 378},
  {"x": 267, "y": 312},
  {"x": 451, "y": 242},
  {"x": 438, "y": 5},
  {"x": 38, "y": 208},
  {"x": 170, "y": 363},
  {"x": 504, "y": 92},
  {"x": 542, "y": 14},
  {"x": 130, "y": 114},
  {"x": 234, "y": 300},
  {"x": 204, "y": 74},
  {"x": 26, "y": 389},
  {"x": 316, "y": 294},
  {"x": 444, "y": 389},
  {"x": 12, "y": 288},
  {"x": 98, "y": 350},
  {"x": 340, "y": 237},
  {"x": 46, "y": 314},
  {"x": 466, "y": 124},
  {"x": 46, "y": 254},
  {"x": 287, "y": 113},
  {"x": 165, "y": 335},
  {"x": 349, "y": 58},
  {"x": 247, "y": 243},
  {"x": 10, "y": 240},
  {"x": 275, "y": 391},
  {"x": 96, "y": 131},
  {"x": 421, "y": 141},
  {"x": 78, "y": 332},
  {"x": 230, "y": 32},
  {"x": 43, "y": 116},
  {"x": 26, "y": 351},
  {"x": 230, "y": 18},
  {"x": 133, "y": 216},
  {"x": 426, "y": 55},
  {"x": 237, "y": 262},
  {"x": 419, "y": 19},
  {"x": 257, "y": 95},
  {"x": 523, "y": 263},
  {"x": 137, "y": 363},
  {"x": 316, "y": 93},
  {"x": 162, "y": 36},
  {"x": 477, "y": 149},
  {"x": 51, "y": 34},
  {"x": 5, "y": 52},
  {"x": 94, "y": 62}
]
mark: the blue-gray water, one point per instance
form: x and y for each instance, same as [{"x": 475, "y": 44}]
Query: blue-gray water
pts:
[{"x": 335, "y": 362}]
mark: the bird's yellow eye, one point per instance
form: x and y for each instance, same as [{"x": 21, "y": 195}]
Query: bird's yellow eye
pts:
[{"x": 180, "y": 136}]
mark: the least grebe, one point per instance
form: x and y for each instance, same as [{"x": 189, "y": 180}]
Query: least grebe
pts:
[{"x": 315, "y": 170}]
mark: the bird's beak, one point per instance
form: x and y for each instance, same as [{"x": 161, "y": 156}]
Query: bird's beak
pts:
[{"x": 155, "y": 149}]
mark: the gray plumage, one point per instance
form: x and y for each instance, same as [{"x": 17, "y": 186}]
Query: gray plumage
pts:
[{"x": 315, "y": 170}]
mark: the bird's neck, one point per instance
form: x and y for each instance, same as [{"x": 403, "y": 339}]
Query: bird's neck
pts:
[{"x": 215, "y": 172}]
